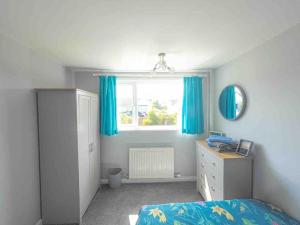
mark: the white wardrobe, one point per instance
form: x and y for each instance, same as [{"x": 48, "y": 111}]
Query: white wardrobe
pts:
[{"x": 69, "y": 153}]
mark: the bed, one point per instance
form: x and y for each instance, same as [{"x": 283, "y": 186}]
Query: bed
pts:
[{"x": 242, "y": 211}]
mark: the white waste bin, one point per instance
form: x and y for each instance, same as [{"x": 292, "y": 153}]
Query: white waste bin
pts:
[{"x": 115, "y": 177}]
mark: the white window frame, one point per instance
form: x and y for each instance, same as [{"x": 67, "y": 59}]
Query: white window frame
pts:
[{"x": 134, "y": 126}]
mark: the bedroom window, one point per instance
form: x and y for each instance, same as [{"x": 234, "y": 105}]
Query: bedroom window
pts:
[{"x": 149, "y": 104}]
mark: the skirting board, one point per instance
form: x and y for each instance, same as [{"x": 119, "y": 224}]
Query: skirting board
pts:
[
  {"x": 154, "y": 180},
  {"x": 40, "y": 222}
]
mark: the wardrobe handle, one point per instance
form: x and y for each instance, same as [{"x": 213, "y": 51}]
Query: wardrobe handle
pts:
[{"x": 91, "y": 149}]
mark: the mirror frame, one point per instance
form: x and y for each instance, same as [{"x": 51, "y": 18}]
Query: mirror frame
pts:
[{"x": 244, "y": 105}]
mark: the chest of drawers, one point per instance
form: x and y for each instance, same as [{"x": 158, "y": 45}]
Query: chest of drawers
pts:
[{"x": 222, "y": 175}]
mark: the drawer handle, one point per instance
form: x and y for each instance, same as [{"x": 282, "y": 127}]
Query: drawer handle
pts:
[
  {"x": 213, "y": 189},
  {"x": 214, "y": 164},
  {"x": 214, "y": 177}
]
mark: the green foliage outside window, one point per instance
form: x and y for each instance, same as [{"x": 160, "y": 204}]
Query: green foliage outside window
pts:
[
  {"x": 125, "y": 119},
  {"x": 158, "y": 115}
]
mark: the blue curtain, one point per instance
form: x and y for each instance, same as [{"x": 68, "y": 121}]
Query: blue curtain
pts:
[
  {"x": 192, "y": 106},
  {"x": 108, "y": 105},
  {"x": 228, "y": 103}
]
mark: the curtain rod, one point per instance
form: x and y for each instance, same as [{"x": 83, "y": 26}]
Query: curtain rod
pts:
[{"x": 151, "y": 74}]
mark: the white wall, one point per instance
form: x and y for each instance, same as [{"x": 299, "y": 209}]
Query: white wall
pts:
[
  {"x": 270, "y": 75},
  {"x": 21, "y": 70},
  {"x": 114, "y": 150}
]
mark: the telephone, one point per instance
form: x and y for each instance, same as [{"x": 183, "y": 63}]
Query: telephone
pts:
[{"x": 228, "y": 147}]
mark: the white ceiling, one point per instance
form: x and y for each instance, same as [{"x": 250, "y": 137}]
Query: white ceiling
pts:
[{"x": 128, "y": 34}]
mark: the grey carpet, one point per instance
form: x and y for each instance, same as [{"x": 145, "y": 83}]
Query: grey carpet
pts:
[{"x": 113, "y": 206}]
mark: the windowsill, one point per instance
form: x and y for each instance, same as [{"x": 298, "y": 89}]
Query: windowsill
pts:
[{"x": 152, "y": 128}]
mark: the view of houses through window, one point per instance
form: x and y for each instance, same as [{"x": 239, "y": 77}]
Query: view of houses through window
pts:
[{"x": 150, "y": 103}]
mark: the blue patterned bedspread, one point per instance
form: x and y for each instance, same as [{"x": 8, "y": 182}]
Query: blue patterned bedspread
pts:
[{"x": 247, "y": 212}]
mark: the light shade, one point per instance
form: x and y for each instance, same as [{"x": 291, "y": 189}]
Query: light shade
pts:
[{"x": 161, "y": 65}]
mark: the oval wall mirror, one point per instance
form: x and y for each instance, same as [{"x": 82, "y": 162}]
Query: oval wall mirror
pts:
[{"x": 232, "y": 102}]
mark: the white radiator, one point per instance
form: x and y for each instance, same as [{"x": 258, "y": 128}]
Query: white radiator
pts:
[{"x": 151, "y": 163}]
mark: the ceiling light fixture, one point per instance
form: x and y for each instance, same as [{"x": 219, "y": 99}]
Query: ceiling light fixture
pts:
[{"x": 162, "y": 66}]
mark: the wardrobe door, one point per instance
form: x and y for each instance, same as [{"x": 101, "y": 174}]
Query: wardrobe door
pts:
[
  {"x": 83, "y": 114},
  {"x": 94, "y": 147}
]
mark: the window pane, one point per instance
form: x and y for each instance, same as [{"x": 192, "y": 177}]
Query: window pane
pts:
[
  {"x": 158, "y": 103},
  {"x": 125, "y": 94},
  {"x": 125, "y": 104},
  {"x": 126, "y": 115}
]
